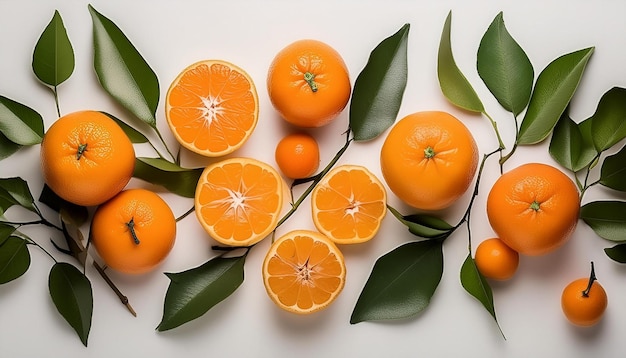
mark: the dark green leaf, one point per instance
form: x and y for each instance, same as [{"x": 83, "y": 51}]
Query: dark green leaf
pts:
[
  {"x": 122, "y": 71},
  {"x": 454, "y": 85},
  {"x": 617, "y": 253},
  {"x": 14, "y": 258},
  {"x": 477, "y": 286},
  {"x": 53, "y": 58},
  {"x": 134, "y": 135},
  {"x": 609, "y": 120},
  {"x": 193, "y": 292},
  {"x": 569, "y": 147},
  {"x": 19, "y": 123},
  {"x": 423, "y": 225},
  {"x": 158, "y": 171},
  {"x": 78, "y": 214},
  {"x": 379, "y": 88},
  {"x": 71, "y": 293},
  {"x": 505, "y": 68},
  {"x": 606, "y": 218},
  {"x": 401, "y": 283},
  {"x": 553, "y": 91},
  {"x": 613, "y": 172},
  {"x": 7, "y": 147},
  {"x": 5, "y": 232},
  {"x": 15, "y": 191}
]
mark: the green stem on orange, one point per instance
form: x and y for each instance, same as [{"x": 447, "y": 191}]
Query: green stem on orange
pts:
[
  {"x": 592, "y": 277},
  {"x": 429, "y": 152},
  {"x": 310, "y": 80},
  {"x": 131, "y": 228},
  {"x": 81, "y": 150}
]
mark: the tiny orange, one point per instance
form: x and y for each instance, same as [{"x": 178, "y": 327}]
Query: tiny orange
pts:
[
  {"x": 86, "y": 158},
  {"x": 308, "y": 83},
  {"x": 297, "y": 155},
  {"x": 496, "y": 260},
  {"x": 133, "y": 232},
  {"x": 584, "y": 301},
  {"x": 303, "y": 272}
]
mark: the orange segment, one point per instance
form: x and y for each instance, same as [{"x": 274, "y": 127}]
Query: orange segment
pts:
[
  {"x": 238, "y": 201},
  {"x": 349, "y": 204},
  {"x": 303, "y": 271},
  {"x": 212, "y": 107}
]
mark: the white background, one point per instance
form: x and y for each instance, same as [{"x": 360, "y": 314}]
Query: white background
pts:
[{"x": 173, "y": 34}]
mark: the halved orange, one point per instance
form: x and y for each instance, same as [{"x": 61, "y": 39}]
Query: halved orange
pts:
[
  {"x": 303, "y": 272},
  {"x": 212, "y": 107},
  {"x": 349, "y": 204},
  {"x": 238, "y": 200}
]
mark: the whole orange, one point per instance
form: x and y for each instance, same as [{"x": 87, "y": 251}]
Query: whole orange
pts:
[
  {"x": 584, "y": 301},
  {"x": 496, "y": 260},
  {"x": 308, "y": 83},
  {"x": 134, "y": 231},
  {"x": 429, "y": 159},
  {"x": 533, "y": 208},
  {"x": 86, "y": 158},
  {"x": 297, "y": 155}
]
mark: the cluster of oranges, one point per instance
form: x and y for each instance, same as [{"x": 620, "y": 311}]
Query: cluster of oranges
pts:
[{"x": 428, "y": 160}]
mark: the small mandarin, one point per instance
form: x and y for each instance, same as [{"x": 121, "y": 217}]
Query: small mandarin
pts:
[
  {"x": 86, "y": 158},
  {"x": 496, "y": 260},
  {"x": 584, "y": 301},
  {"x": 297, "y": 155},
  {"x": 134, "y": 231}
]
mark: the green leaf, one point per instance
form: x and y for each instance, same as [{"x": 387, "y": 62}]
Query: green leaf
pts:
[
  {"x": 7, "y": 147},
  {"x": 5, "y": 232},
  {"x": 78, "y": 214},
  {"x": 504, "y": 67},
  {"x": 158, "y": 171},
  {"x": 606, "y": 218},
  {"x": 53, "y": 58},
  {"x": 14, "y": 258},
  {"x": 193, "y": 292},
  {"x": 122, "y": 71},
  {"x": 15, "y": 191},
  {"x": 477, "y": 286},
  {"x": 617, "y": 253},
  {"x": 454, "y": 85},
  {"x": 401, "y": 283},
  {"x": 553, "y": 91},
  {"x": 378, "y": 89},
  {"x": 569, "y": 146},
  {"x": 71, "y": 293},
  {"x": 609, "y": 120},
  {"x": 613, "y": 172},
  {"x": 423, "y": 225},
  {"x": 134, "y": 135},
  {"x": 19, "y": 123}
]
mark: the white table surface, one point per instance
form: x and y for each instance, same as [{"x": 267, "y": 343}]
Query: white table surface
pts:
[{"x": 173, "y": 34}]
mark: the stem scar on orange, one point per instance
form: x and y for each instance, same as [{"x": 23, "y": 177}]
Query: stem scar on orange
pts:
[
  {"x": 133, "y": 232},
  {"x": 533, "y": 208},
  {"x": 308, "y": 83},
  {"x": 429, "y": 159},
  {"x": 303, "y": 272},
  {"x": 86, "y": 158},
  {"x": 584, "y": 300},
  {"x": 349, "y": 204},
  {"x": 238, "y": 200},
  {"x": 212, "y": 107}
]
